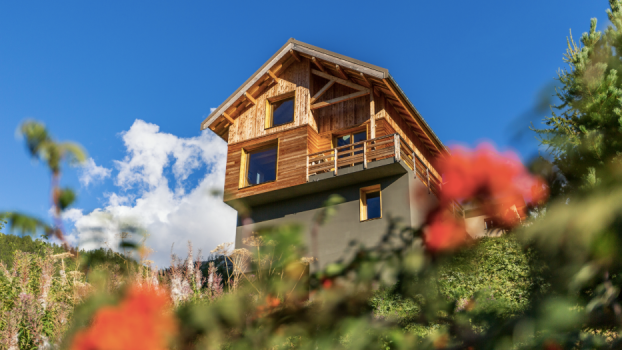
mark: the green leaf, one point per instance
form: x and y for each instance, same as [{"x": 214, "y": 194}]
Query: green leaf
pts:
[{"x": 66, "y": 198}]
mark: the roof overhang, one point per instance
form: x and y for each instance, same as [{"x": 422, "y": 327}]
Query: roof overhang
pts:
[{"x": 370, "y": 75}]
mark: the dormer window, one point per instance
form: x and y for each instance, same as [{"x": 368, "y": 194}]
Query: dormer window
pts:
[{"x": 280, "y": 110}]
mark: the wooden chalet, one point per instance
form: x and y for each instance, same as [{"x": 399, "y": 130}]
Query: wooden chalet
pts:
[{"x": 312, "y": 121}]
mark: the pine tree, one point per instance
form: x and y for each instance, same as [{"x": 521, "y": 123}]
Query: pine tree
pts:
[{"x": 584, "y": 133}]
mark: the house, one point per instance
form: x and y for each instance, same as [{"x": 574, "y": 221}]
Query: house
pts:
[{"x": 310, "y": 123}]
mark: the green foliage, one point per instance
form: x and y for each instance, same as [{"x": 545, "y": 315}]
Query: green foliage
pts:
[
  {"x": 92, "y": 259},
  {"x": 584, "y": 133},
  {"x": 496, "y": 274},
  {"x": 42, "y": 146},
  {"x": 66, "y": 197},
  {"x": 496, "y": 270},
  {"x": 25, "y": 224}
]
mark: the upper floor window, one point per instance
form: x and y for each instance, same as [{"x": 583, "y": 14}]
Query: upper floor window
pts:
[
  {"x": 371, "y": 203},
  {"x": 280, "y": 110},
  {"x": 349, "y": 139},
  {"x": 259, "y": 165}
]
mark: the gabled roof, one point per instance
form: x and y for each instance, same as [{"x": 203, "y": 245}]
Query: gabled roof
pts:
[{"x": 362, "y": 73}]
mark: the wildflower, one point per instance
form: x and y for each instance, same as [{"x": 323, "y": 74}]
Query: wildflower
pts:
[
  {"x": 222, "y": 249},
  {"x": 255, "y": 240},
  {"x": 270, "y": 304},
  {"x": 143, "y": 320},
  {"x": 307, "y": 260}
]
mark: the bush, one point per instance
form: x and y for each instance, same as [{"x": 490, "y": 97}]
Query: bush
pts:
[{"x": 498, "y": 272}]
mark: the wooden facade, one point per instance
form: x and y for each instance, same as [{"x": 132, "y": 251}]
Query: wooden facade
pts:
[{"x": 330, "y": 100}]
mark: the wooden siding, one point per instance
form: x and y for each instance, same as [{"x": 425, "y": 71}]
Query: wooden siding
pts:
[
  {"x": 340, "y": 116},
  {"x": 251, "y": 124},
  {"x": 291, "y": 163}
]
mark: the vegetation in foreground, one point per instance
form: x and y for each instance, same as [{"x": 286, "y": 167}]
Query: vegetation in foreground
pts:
[{"x": 553, "y": 283}]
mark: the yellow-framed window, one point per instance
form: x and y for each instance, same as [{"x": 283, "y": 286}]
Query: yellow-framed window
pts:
[
  {"x": 371, "y": 203},
  {"x": 259, "y": 164},
  {"x": 280, "y": 110}
]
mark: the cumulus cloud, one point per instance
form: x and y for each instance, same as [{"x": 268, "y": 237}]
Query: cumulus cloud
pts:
[
  {"x": 91, "y": 173},
  {"x": 170, "y": 211}
]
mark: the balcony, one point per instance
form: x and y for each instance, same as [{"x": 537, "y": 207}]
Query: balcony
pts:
[{"x": 365, "y": 154}]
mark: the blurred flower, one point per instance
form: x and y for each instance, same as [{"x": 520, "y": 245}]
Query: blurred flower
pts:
[
  {"x": 255, "y": 240},
  {"x": 143, "y": 320},
  {"x": 270, "y": 304},
  {"x": 307, "y": 260},
  {"x": 499, "y": 183},
  {"x": 222, "y": 249},
  {"x": 444, "y": 231}
]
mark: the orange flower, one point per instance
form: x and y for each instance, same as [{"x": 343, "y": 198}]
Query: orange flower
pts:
[
  {"x": 143, "y": 320},
  {"x": 271, "y": 303},
  {"x": 444, "y": 232},
  {"x": 499, "y": 183}
]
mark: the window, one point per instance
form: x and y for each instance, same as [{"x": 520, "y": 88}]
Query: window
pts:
[
  {"x": 349, "y": 139},
  {"x": 371, "y": 203},
  {"x": 259, "y": 165},
  {"x": 280, "y": 110}
]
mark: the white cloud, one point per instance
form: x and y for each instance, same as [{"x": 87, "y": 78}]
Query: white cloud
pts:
[
  {"x": 92, "y": 173},
  {"x": 168, "y": 212}
]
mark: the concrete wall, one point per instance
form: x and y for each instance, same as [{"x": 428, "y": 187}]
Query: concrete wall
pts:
[{"x": 336, "y": 236}]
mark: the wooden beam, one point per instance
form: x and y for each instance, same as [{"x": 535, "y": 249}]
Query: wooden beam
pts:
[
  {"x": 295, "y": 55},
  {"x": 322, "y": 91},
  {"x": 318, "y": 64},
  {"x": 339, "y": 80},
  {"x": 341, "y": 72},
  {"x": 285, "y": 65},
  {"x": 366, "y": 80},
  {"x": 277, "y": 79},
  {"x": 250, "y": 98},
  {"x": 388, "y": 85},
  {"x": 339, "y": 99},
  {"x": 228, "y": 117}
]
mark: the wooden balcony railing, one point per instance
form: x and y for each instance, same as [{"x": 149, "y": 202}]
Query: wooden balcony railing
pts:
[{"x": 363, "y": 152}]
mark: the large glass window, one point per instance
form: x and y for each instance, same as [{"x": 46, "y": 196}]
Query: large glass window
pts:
[
  {"x": 280, "y": 112},
  {"x": 261, "y": 166},
  {"x": 371, "y": 203},
  {"x": 349, "y": 139}
]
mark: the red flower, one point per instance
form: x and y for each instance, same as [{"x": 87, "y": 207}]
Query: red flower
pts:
[
  {"x": 143, "y": 320},
  {"x": 269, "y": 306},
  {"x": 444, "y": 232},
  {"x": 498, "y": 183}
]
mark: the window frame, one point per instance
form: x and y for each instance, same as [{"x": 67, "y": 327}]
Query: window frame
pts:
[
  {"x": 363, "y": 201},
  {"x": 245, "y": 158},
  {"x": 350, "y": 132},
  {"x": 269, "y": 120}
]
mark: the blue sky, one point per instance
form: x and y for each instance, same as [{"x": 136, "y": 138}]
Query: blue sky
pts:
[{"x": 90, "y": 70}]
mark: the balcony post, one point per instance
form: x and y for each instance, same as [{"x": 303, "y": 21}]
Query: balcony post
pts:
[
  {"x": 307, "y": 165},
  {"x": 427, "y": 173},
  {"x": 365, "y": 154},
  {"x": 396, "y": 144},
  {"x": 335, "y": 151}
]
